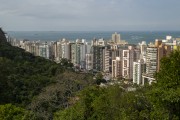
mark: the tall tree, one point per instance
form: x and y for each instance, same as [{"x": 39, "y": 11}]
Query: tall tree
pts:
[{"x": 166, "y": 92}]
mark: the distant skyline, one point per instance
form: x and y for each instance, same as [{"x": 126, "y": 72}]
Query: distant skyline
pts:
[{"x": 90, "y": 15}]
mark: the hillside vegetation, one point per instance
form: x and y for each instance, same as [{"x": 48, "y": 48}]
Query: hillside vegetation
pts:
[
  {"x": 35, "y": 84},
  {"x": 160, "y": 101}
]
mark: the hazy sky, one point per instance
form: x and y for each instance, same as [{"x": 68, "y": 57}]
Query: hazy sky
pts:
[{"x": 93, "y": 15}]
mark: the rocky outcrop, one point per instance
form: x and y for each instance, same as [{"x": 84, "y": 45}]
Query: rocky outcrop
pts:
[{"x": 2, "y": 36}]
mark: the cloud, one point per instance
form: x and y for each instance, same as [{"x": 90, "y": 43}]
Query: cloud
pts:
[{"x": 88, "y": 14}]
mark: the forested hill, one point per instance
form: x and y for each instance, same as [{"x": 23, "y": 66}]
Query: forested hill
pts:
[
  {"x": 30, "y": 84},
  {"x": 22, "y": 75}
]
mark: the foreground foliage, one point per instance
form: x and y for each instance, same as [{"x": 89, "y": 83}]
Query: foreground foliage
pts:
[
  {"x": 165, "y": 94},
  {"x": 107, "y": 103},
  {"x": 35, "y": 83},
  {"x": 11, "y": 112},
  {"x": 161, "y": 101}
]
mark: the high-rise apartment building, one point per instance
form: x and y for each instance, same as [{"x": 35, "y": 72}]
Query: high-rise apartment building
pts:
[
  {"x": 117, "y": 68},
  {"x": 32, "y": 47},
  {"x": 143, "y": 47},
  {"x": 79, "y": 49},
  {"x": 53, "y": 50},
  {"x": 62, "y": 50},
  {"x": 75, "y": 53},
  {"x": 44, "y": 50},
  {"x": 106, "y": 59},
  {"x": 138, "y": 69},
  {"x": 154, "y": 54},
  {"x": 151, "y": 65},
  {"x": 151, "y": 60},
  {"x": 130, "y": 55},
  {"x": 98, "y": 57},
  {"x": 116, "y": 38},
  {"x": 98, "y": 52},
  {"x": 114, "y": 52},
  {"x": 163, "y": 50},
  {"x": 89, "y": 61}
]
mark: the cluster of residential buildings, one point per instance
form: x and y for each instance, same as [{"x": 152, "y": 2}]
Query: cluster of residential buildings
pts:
[{"x": 115, "y": 57}]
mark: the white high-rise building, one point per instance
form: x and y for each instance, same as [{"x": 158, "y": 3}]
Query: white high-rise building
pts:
[
  {"x": 116, "y": 68},
  {"x": 138, "y": 69},
  {"x": 151, "y": 65},
  {"x": 75, "y": 53},
  {"x": 65, "y": 49},
  {"x": 62, "y": 50},
  {"x": 84, "y": 49},
  {"x": 151, "y": 60},
  {"x": 44, "y": 50},
  {"x": 126, "y": 64},
  {"x": 129, "y": 56},
  {"x": 143, "y": 47},
  {"x": 79, "y": 49},
  {"x": 106, "y": 59}
]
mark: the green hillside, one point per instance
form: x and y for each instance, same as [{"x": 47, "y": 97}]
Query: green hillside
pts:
[{"x": 34, "y": 83}]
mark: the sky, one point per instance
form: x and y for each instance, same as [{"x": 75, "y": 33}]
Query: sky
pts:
[{"x": 90, "y": 15}]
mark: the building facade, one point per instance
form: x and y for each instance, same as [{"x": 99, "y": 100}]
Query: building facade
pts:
[
  {"x": 138, "y": 69},
  {"x": 117, "y": 68}
]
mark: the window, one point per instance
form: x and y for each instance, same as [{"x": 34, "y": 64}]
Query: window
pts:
[
  {"x": 125, "y": 53},
  {"x": 125, "y": 72},
  {"x": 89, "y": 58},
  {"x": 125, "y": 63}
]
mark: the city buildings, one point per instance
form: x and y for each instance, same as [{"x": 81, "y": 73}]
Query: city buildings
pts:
[
  {"x": 115, "y": 58},
  {"x": 116, "y": 39},
  {"x": 163, "y": 50},
  {"x": 154, "y": 53},
  {"x": 32, "y": 47}
]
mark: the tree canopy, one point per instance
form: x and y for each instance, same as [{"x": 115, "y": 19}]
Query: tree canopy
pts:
[
  {"x": 160, "y": 101},
  {"x": 166, "y": 92}
]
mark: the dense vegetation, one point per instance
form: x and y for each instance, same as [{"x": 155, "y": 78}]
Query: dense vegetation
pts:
[
  {"x": 35, "y": 84},
  {"x": 160, "y": 101}
]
